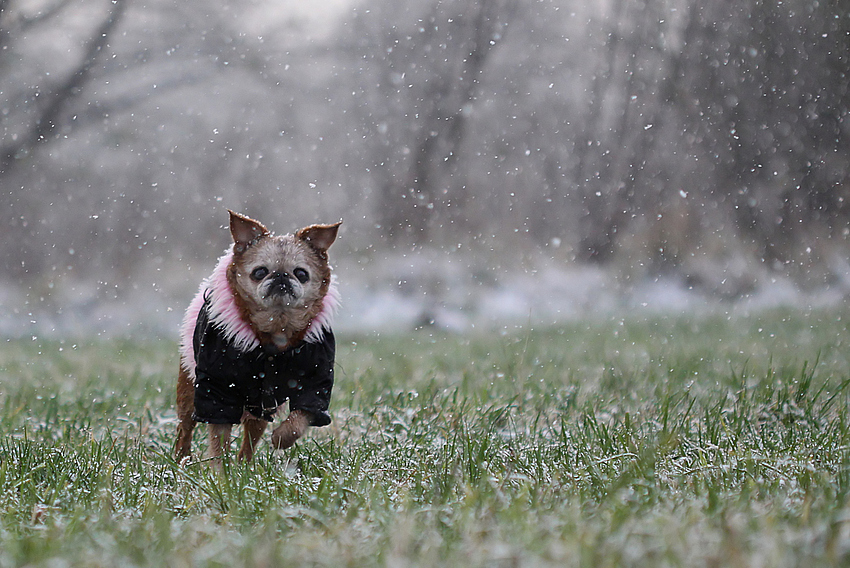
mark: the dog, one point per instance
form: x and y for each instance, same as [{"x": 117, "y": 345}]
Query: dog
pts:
[{"x": 258, "y": 334}]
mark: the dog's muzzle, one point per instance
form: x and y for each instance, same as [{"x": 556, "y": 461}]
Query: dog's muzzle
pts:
[{"x": 280, "y": 284}]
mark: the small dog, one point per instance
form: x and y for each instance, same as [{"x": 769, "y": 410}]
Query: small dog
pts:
[{"x": 257, "y": 334}]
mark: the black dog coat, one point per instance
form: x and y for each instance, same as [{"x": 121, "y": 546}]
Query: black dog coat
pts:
[
  {"x": 233, "y": 374},
  {"x": 229, "y": 382}
]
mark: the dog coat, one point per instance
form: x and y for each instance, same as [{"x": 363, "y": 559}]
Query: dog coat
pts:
[{"x": 234, "y": 374}]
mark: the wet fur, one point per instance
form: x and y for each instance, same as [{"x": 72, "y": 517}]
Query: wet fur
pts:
[{"x": 272, "y": 325}]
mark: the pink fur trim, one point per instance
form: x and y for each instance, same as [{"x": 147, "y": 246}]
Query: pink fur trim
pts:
[
  {"x": 325, "y": 318},
  {"x": 225, "y": 314}
]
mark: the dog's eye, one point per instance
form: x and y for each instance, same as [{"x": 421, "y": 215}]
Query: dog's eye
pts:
[
  {"x": 301, "y": 275},
  {"x": 259, "y": 273}
]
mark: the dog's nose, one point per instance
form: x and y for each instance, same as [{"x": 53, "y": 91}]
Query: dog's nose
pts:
[{"x": 281, "y": 283}]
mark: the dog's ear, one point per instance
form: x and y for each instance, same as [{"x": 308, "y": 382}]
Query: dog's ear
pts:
[
  {"x": 320, "y": 237},
  {"x": 245, "y": 231}
]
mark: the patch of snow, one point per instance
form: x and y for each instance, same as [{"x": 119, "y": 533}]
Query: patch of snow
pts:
[{"x": 405, "y": 292}]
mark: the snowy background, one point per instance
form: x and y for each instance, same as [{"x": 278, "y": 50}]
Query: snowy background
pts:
[{"x": 497, "y": 163}]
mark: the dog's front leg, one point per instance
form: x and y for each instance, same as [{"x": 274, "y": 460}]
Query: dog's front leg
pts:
[
  {"x": 185, "y": 408},
  {"x": 219, "y": 435},
  {"x": 252, "y": 431},
  {"x": 295, "y": 425}
]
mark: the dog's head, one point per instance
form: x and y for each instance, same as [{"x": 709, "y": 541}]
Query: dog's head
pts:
[{"x": 279, "y": 281}]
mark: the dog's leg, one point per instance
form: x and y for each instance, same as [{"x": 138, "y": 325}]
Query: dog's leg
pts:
[
  {"x": 185, "y": 409},
  {"x": 295, "y": 425},
  {"x": 219, "y": 435},
  {"x": 252, "y": 430}
]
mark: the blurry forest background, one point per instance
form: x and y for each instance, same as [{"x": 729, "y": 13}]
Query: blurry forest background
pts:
[{"x": 484, "y": 154}]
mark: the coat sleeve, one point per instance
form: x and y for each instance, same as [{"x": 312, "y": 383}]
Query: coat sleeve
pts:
[{"x": 313, "y": 394}]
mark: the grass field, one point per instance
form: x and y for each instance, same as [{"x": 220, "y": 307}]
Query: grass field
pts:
[{"x": 702, "y": 441}]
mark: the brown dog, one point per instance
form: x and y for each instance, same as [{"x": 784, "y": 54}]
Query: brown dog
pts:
[{"x": 258, "y": 334}]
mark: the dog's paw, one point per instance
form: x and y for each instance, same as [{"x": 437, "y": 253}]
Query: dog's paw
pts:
[
  {"x": 295, "y": 425},
  {"x": 284, "y": 436}
]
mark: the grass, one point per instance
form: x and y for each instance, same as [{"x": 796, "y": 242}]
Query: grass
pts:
[{"x": 701, "y": 441}]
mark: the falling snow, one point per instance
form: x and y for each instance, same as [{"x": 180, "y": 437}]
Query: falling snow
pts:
[{"x": 496, "y": 163}]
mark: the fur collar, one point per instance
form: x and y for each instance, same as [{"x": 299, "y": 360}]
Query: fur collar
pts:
[{"x": 225, "y": 315}]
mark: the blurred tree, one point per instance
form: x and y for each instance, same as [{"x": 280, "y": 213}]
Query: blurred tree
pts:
[
  {"x": 37, "y": 111},
  {"x": 639, "y": 130},
  {"x": 46, "y": 117},
  {"x": 427, "y": 62},
  {"x": 741, "y": 105},
  {"x": 772, "y": 88},
  {"x": 116, "y": 129}
]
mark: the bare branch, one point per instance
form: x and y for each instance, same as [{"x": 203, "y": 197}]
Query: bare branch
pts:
[{"x": 62, "y": 97}]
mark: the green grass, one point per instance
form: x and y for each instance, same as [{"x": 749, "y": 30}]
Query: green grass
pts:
[{"x": 664, "y": 442}]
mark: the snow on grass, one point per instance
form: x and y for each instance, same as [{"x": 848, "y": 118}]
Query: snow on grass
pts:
[{"x": 674, "y": 441}]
